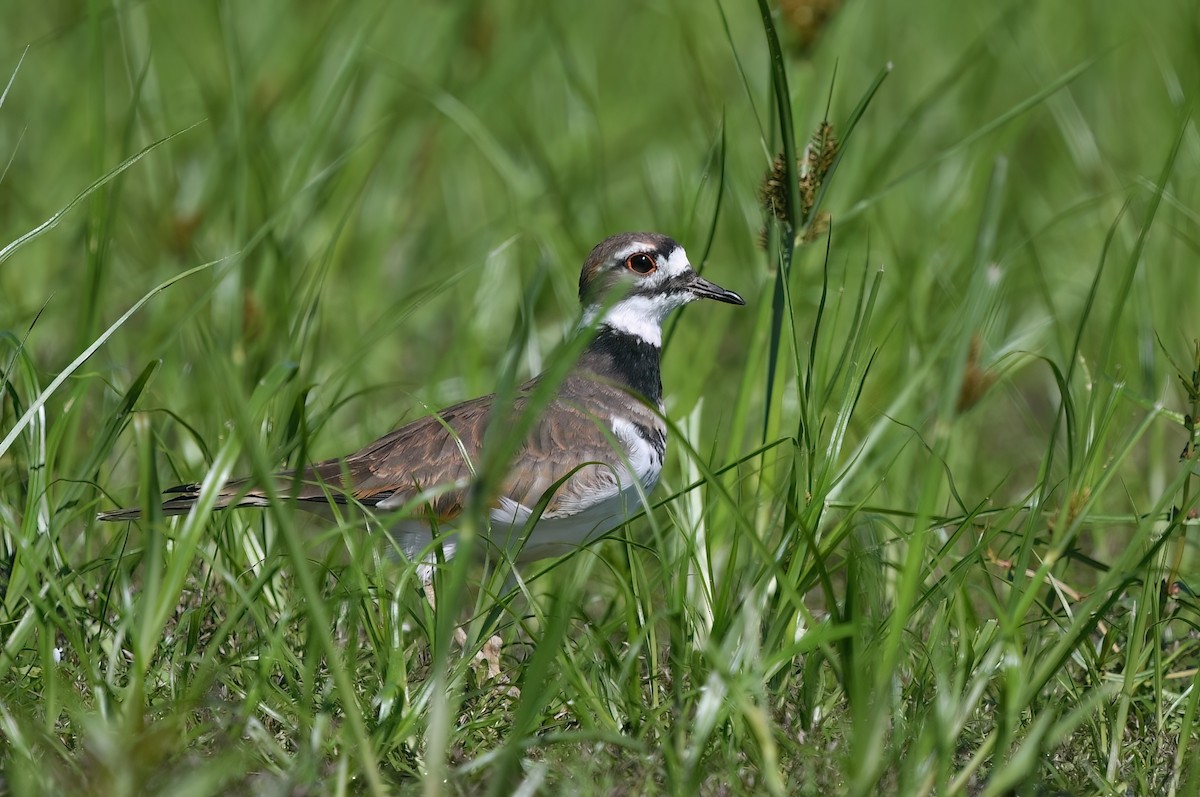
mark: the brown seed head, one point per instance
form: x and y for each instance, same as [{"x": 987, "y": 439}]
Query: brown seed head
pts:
[{"x": 807, "y": 19}]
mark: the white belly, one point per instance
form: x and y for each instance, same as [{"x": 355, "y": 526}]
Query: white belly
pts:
[
  {"x": 557, "y": 536},
  {"x": 509, "y": 536}
]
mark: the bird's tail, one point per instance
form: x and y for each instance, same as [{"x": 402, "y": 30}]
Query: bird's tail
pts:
[{"x": 180, "y": 500}]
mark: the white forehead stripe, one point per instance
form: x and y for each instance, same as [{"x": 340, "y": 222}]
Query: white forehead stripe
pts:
[{"x": 633, "y": 249}]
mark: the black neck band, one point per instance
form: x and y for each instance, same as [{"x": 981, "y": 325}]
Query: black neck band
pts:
[{"x": 627, "y": 360}]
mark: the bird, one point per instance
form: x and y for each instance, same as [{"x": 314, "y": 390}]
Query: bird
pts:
[{"x": 590, "y": 455}]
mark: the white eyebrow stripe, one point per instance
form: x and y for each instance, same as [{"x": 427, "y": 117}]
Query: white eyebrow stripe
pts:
[{"x": 633, "y": 249}]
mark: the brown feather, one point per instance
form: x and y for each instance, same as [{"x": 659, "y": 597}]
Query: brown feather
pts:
[{"x": 428, "y": 454}]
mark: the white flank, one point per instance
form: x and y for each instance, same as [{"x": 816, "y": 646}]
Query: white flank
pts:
[
  {"x": 643, "y": 459},
  {"x": 510, "y": 512}
]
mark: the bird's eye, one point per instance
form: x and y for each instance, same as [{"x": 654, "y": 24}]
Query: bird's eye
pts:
[{"x": 641, "y": 263}]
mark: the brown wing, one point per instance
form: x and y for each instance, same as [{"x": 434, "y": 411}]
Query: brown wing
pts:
[{"x": 433, "y": 454}]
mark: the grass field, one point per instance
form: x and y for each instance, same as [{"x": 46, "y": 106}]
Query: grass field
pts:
[{"x": 927, "y": 524}]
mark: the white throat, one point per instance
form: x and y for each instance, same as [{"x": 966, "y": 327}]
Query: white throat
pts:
[{"x": 640, "y": 316}]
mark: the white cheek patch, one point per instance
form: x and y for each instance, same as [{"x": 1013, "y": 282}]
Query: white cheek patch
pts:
[{"x": 676, "y": 264}]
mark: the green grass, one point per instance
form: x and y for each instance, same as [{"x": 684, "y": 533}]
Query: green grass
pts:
[{"x": 925, "y": 525}]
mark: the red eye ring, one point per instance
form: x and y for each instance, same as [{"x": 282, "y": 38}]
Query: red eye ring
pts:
[{"x": 640, "y": 263}]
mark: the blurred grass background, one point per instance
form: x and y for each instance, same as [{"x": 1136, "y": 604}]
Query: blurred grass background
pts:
[{"x": 963, "y": 562}]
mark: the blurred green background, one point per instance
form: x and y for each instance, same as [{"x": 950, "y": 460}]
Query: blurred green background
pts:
[
  {"x": 393, "y": 188},
  {"x": 393, "y": 149},
  {"x": 358, "y": 163}
]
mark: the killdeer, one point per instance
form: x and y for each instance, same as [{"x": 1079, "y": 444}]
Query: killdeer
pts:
[{"x": 602, "y": 434}]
